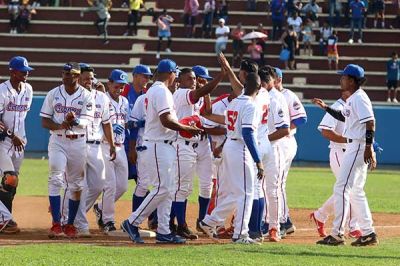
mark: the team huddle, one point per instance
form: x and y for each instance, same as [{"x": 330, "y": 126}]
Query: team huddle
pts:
[{"x": 240, "y": 145}]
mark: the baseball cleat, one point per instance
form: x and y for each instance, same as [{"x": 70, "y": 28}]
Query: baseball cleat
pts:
[
  {"x": 265, "y": 229},
  {"x": 320, "y": 225},
  {"x": 56, "y": 231},
  {"x": 109, "y": 227},
  {"x": 273, "y": 235},
  {"x": 368, "y": 240},
  {"x": 198, "y": 228},
  {"x": 331, "y": 241},
  {"x": 224, "y": 233},
  {"x": 99, "y": 216},
  {"x": 355, "y": 234},
  {"x": 290, "y": 228},
  {"x": 132, "y": 231},
  {"x": 185, "y": 232},
  {"x": 169, "y": 239},
  {"x": 245, "y": 240},
  {"x": 282, "y": 232},
  {"x": 256, "y": 236},
  {"x": 83, "y": 233},
  {"x": 210, "y": 231},
  {"x": 9, "y": 227},
  {"x": 70, "y": 231}
]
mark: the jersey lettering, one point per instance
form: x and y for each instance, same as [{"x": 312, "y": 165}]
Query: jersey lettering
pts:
[
  {"x": 232, "y": 117},
  {"x": 265, "y": 110}
]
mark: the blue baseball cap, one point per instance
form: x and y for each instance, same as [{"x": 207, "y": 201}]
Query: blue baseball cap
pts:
[
  {"x": 86, "y": 67},
  {"x": 278, "y": 72},
  {"x": 167, "y": 65},
  {"x": 19, "y": 63},
  {"x": 201, "y": 72},
  {"x": 118, "y": 76},
  {"x": 142, "y": 69},
  {"x": 352, "y": 70}
]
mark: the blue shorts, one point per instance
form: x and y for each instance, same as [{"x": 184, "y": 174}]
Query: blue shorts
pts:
[{"x": 164, "y": 33}]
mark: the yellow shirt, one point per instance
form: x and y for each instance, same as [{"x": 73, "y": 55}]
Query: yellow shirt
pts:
[{"x": 135, "y": 4}]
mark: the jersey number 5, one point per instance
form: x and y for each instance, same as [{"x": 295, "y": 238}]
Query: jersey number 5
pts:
[{"x": 232, "y": 117}]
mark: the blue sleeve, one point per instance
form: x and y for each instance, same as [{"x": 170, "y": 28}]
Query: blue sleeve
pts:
[
  {"x": 299, "y": 121},
  {"x": 133, "y": 133},
  {"x": 248, "y": 136}
]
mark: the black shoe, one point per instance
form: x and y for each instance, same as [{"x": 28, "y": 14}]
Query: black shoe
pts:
[
  {"x": 368, "y": 240},
  {"x": 282, "y": 231},
  {"x": 185, "y": 232},
  {"x": 331, "y": 241},
  {"x": 173, "y": 227},
  {"x": 109, "y": 227},
  {"x": 99, "y": 216}
]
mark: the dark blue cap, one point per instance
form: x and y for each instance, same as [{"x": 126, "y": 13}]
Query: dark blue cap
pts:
[
  {"x": 142, "y": 69},
  {"x": 201, "y": 72},
  {"x": 19, "y": 63},
  {"x": 278, "y": 72},
  {"x": 167, "y": 65},
  {"x": 86, "y": 67},
  {"x": 352, "y": 70},
  {"x": 118, "y": 76}
]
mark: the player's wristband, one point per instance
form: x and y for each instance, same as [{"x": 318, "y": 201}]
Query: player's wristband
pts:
[
  {"x": 10, "y": 134},
  {"x": 369, "y": 137}
]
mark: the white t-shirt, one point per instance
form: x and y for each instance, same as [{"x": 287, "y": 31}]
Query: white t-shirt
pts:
[
  {"x": 158, "y": 101},
  {"x": 357, "y": 111},
  {"x": 241, "y": 113},
  {"x": 138, "y": 113},
  {"x": 278, "y": 115},
  {"x": 222, "y": 30},
  {"x": 102, "y": 112},
  {"x": 296, "y": 108},
  {"x": 330, "y": 123},
  {"x": 296, "y": 23},
  {"x": 58, "y": 103},
  {"x": 14, "y": 107},
  {"x": 263, "y": 102},
  {"x": 218, "y": 108},
  {"x": 119, "y": 116}
]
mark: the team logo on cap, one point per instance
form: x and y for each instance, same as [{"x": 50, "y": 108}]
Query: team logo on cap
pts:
[
  {"x": 123, "y": 76},
  {"x": 25, "y": 63}
]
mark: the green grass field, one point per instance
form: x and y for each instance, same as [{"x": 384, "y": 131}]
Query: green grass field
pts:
[{"x": 307, "y": 188}]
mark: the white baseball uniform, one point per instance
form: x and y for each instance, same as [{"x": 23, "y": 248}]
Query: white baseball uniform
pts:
[
  {"x": 67, "y": 148},
  {"x": 353, "y": 171},
  {"x": 5, "y": 214},
  {"x": 278, "y": 116},
  {"x": 159, "y": 158},
  {"x": 138, "y": 113},
  {"x": 242, "y": 112},
  {"x": 335, "y": 160},
  {"x": 289, "y": 144},
  {"x": 94, "y": 170},
  {"x": 14, "y": 107},
  {"x": 116, "y": 171},
  {"x": 193, "y": 154}
]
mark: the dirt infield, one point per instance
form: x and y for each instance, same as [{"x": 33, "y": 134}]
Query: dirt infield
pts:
[{"x": 31, "y": 214}]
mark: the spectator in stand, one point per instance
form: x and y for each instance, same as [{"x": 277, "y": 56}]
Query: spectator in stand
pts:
[
  {"x": 101, "y": 7},
  {"x": 310, "y": 10},
  {"x": 208, "y": 13},
  {"x": 164, "y": 31},
  {"x": 237, "y": 44},
  {"x": 13, "y": 11},
  {"x": 262, "y": 42},
  {"x": 308, "y": 36},
  {"x": 295, "y": 21},
  {"x": 335, "y": 8},
  {"x": 255, "y": 52},
  {"x": 333, "y": 53},
  {"x": 278, "y": 10},
  {"x": 324, "y": 33},
  {"x": 25, "y": 16},
  {"x": 396, "y": 6},
  {"x": 223, "y": 10},
  {"x": 365, "y": 13},
  {"x": 294, "y": 6},
  {"x": 290, "y": 41},
  {"x": 222, "y": 33},
  {"x": 133, "y": 16},
  {"x": 357, "y": 8},
  {"x": 393, "y": 77},
  {"x": 190, "y": 13},
  {"x": 379, "y": 10}
]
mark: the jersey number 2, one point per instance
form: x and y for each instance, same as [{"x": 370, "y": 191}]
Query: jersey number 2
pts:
[
  {"x": 264, "y": 119},
  {"x": 232, "y": 117}
]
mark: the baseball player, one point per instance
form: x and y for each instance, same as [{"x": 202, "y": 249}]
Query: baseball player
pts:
[
  {"x": 192, "y": 152},
  {"x": 359, "y": 131},
  {"x": 159, "y": 156},
  {"x": 239, "y": 155},
  {"x": 298, "y": 117},
  {"x": 15, "y": 102},
  {"x": 332, "y": 129},
  {"x": 97, "y": 129},
  {"x": 66, "y": 111},
  {"x": 7, "y": 224},
  {"x": 116, "y": 170}
]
